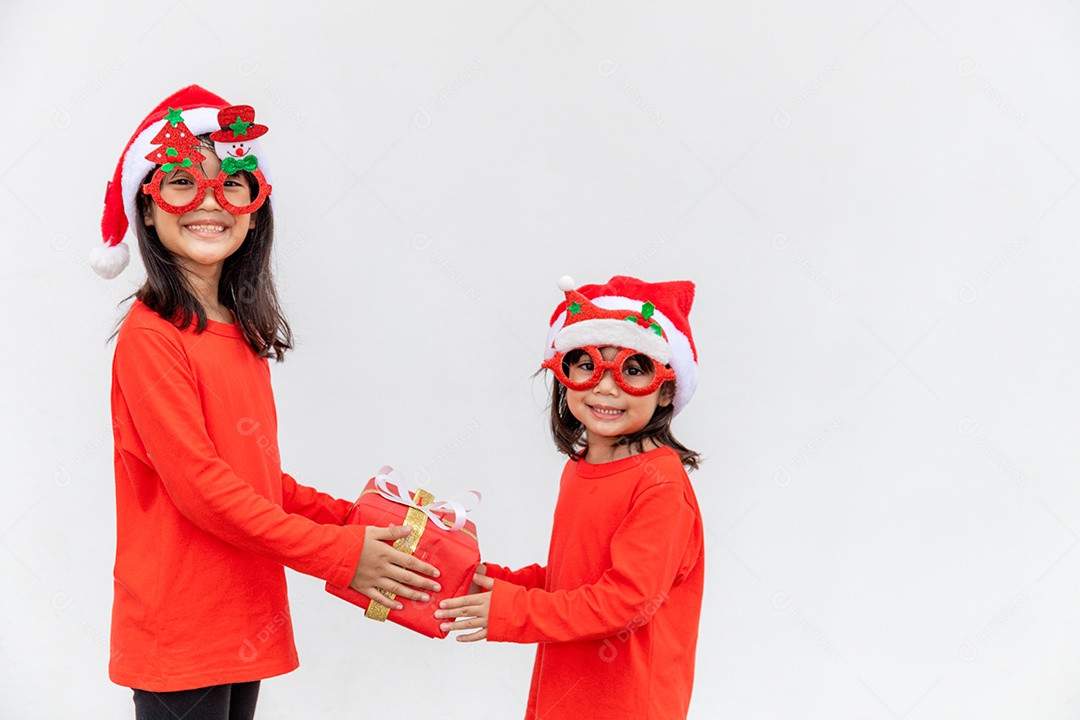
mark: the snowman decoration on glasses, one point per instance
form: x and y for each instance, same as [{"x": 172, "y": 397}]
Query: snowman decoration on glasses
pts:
[{"x": 236, "y": 143}]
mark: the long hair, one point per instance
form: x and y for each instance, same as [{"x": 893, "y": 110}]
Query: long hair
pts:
[
  {"x": 246, "y": 286},
  {"x": 569, "y": 433}
]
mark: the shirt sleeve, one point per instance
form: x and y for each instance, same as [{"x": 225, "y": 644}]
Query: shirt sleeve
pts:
[
  {"x": 530, "y": 577},
  {"x": 163, "y": 398},
  {"x": 647, "y": 556},
  {"x": 312, "y": 504}
]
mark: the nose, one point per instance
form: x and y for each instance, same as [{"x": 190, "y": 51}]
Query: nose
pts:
[
  {"x": 607, "y": 384},
  {"x": 209, "y": 201},
  {"x": 239, "y": 152}
]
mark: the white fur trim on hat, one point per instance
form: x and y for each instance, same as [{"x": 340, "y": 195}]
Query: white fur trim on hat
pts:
[{"x": 610, "y": 332}]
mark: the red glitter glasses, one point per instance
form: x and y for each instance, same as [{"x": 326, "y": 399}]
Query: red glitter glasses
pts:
[
  {"x": 634, "y": 372},
  {"x": 182, "y": 188}
]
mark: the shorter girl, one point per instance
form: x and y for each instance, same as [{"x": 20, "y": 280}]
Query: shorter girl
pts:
[{"x": 616, "y": 609}]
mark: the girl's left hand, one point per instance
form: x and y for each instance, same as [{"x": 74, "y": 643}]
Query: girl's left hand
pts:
[{"x": 471, "y": 610}]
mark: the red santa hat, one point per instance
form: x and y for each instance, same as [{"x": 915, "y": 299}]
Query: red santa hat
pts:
[
  {"x": 200, "y": 115},
  {"x": 626, "y": 312}
]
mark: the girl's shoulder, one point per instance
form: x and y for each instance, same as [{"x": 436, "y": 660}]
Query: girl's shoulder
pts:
[
  {"x": 666, "y": 465},
  {"x": 140, "y": 322}
]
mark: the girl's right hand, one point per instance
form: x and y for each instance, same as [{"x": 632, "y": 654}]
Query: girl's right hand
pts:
[{"x": 382, "y": 567}]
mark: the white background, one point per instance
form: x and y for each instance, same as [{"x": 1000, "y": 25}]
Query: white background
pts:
[{"x": 878, "y": 201}]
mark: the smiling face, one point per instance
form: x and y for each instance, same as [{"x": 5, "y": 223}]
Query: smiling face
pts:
[
  {"x": 607, "y": 411},
  {"x": 237, "y": 150},
  {"x": 203, "y": 238}
]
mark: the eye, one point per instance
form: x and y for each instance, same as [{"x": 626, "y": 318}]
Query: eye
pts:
[{"x": 637, "y": 366}]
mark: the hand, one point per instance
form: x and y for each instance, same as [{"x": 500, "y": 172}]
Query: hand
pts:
[
  {"x": 473, "y": 608},
  {"x": 383, "y": 567},
  {"x": 481, "y": 569}
]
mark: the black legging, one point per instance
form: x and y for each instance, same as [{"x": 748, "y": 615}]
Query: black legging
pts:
[{"x": 219, "y": 702}]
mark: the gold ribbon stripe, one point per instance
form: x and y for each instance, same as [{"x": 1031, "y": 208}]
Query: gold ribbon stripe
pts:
[{"x": 417, "y": 521}]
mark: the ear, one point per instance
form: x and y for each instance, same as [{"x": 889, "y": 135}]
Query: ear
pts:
[
  {"x": 667, "y": 394},
  {"x": 147, "y": 217}
]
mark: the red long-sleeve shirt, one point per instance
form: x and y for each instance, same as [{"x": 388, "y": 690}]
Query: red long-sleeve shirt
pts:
[
  {"x": 205, "y": 517},
  {"x": 616, "y": 608}
]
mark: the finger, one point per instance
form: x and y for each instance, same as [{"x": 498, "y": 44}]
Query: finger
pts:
[
  {"x": 473, "y": 637},
  {"x": 418, "y": 566},
  {"x": 392, "y": 532},
  {"x": 484, "y": 581},
  {"x": 465, "y": 624},
  {"x": 462, "y": 601},
  {"x": 465, "y": 611},
  {"x": 411, "y": 579},
  {"x": 391, "y": 585},
  {"x": 378, "y": 597}
]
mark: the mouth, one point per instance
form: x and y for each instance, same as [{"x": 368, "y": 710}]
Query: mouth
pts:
[
  {"x": 602, "y": 412},
  {"x": 206, "y": 229}
]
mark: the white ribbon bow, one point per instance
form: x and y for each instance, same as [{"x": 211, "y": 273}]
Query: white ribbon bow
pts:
[{"x": 395, "y": 487}]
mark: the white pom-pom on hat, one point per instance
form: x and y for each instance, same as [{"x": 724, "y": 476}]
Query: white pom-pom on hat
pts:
[
  {"x": 566, "y": 283},
  {"x": 108, "y": 261}
]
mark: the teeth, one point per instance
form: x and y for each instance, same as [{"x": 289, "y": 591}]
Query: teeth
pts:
[
  {"x": 207, "y": 228},
  {"x": 605, "y": 411}
]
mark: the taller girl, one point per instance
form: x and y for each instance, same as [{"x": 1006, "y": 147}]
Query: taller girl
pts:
[{"x": 206, "y": 519}]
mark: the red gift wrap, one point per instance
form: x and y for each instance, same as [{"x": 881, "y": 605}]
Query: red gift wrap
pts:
[{"x": 456, "y": 553}]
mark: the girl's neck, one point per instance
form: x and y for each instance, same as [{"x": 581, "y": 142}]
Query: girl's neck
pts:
[
  {"x": 604, "y": 450},
  {"x": 203, "y": 283}
]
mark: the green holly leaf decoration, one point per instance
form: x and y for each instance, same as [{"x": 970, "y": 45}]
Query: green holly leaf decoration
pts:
[
  {"x": 657, "y": 329},
  {"x": 239, "y": 127},
  {"x": 647, "y": 310},
  {"x": 171, "y": 152},
  {"x": 575, "y": 308},
  {"x": 173, "y": 116},
  {"x": 168, "y": 167}
]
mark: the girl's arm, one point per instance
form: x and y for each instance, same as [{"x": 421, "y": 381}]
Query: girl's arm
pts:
[
  {"x": 647, "y": 554},
  {"x": 170, "y": 432},
  {"x": 312, "y": 504},
  {"x": 530, "y": 577}
]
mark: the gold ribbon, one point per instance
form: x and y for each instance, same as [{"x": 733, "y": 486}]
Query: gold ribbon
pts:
[{"x": 417, "y": 521}]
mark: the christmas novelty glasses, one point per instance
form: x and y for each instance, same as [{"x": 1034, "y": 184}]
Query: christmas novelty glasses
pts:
[
  {"x": 634, "y": 373},
  {"x": 179, "y": 187}
]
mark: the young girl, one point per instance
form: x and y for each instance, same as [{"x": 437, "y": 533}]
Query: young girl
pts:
[
  {"x": 205, "y": 517},
  {"x": 616, "y": 609}
]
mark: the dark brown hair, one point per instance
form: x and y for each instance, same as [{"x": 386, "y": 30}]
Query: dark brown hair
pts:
[
  {"x": 569, "y": 432},
  {"x": 246, "y": 286}
]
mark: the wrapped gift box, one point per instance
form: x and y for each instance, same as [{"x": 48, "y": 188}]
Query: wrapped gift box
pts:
[{"x": 434, "y": 539}]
